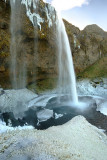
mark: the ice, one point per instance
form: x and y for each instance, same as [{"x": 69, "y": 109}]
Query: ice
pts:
[
  {"x": 4, "y": 128},
  {"x": 31, "y": 15},
  {"x": 44, "y": 115},
  {"x": 41, "y": 100}
]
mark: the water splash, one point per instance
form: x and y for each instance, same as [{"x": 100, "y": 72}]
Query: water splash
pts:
[{"x": 18, "y": 66}]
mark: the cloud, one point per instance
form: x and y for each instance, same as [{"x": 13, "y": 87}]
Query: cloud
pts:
[{"x": 68, "y": 4}]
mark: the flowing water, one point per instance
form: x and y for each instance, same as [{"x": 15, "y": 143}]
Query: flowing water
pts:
[
  {"x": 17, "y": 62},
  {"x": 67, "y": 81}
]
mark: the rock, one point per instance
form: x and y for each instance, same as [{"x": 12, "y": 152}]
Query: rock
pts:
[
  {"x": 0, "y": 9},
  {"x": 88, "y": 46},
  {"x": 3, "y": 25},
  {"x": 2, "y": 69},
  {"x": 46, "y": 50},
  {"x": 15, "y": 101},
  {"x": 1, "y": 91},
  {"x": 94, "y": 29}
]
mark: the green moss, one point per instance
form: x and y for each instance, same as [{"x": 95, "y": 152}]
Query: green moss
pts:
[
  {"x": 4, "y": 44},
  {"x": 43, "y": 85},
  {"x": 4, "y": 54},
  {"x": 99, "y": 69}
]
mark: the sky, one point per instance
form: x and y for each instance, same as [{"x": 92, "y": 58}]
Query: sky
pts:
[{"x": 83, "y": 12}]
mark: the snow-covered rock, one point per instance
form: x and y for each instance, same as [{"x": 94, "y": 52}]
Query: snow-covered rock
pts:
[
  {"x": 102, "y": 106},
  {"x": 16, "y": 101},
  {"x": 86, "y": 87},
  {"x": 4, "y": 128},
  {"x": 75, "y": 140}
]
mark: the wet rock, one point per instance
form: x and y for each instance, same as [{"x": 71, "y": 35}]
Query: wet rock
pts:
[
  {"x": 2, "y": 91},
  {"x": 3, "y": 25},
  {"x": 2, "y": 68}
]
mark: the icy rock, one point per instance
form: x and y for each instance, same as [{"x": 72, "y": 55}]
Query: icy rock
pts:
[
  {"x": 102, "y": 106},
  {"x": 15, "y": 101},
  {"x": 44, "y": 115}
]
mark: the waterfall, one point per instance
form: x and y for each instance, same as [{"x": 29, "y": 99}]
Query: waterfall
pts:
[
  {"x": 17, "y": 54},
  {"x": 67, "y": 80}
]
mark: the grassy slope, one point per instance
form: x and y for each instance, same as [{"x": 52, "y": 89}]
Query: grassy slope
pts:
[{"x": 98, "y": 69}]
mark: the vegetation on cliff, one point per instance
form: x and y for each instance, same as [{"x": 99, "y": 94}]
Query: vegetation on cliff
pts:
[{"x": 89, "y": 47}]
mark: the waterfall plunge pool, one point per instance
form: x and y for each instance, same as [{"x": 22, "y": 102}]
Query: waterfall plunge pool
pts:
[{"x": 47, "y": 111}]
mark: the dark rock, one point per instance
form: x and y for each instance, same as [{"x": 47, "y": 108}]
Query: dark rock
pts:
[{"x": 3, "y": 25}]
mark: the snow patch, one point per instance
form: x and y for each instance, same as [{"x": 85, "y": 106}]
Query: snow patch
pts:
[
  {"x": 16, "y": 101},
  {"x": 102, "y": 106},
  {"x": 4, "y": 128},
  {"x": 57, "y": 142},
  {"x": 58, "y": 115}
]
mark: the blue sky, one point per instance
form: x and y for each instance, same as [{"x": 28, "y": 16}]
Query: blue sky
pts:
[{"x": 90, "y": 12}]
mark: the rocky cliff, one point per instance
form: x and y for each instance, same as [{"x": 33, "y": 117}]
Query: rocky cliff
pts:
[
  {"x": 46, "y": 62},
  {"x": 88, "y": 46}
]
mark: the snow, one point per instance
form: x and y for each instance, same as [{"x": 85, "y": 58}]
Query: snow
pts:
[
  {"x": 16, "y": 101},
  {"x": 31, "y": 15},
  {"x": 76, "y": 140},
  {"x": 102, "y": 106},
  {"x": 84, "y": 87},
  {"x": 50, "y": 13},
  {"x": 4, "y": 128},
  {"x": 98, "y": 93},
  {"x": 58, "y": 115}
]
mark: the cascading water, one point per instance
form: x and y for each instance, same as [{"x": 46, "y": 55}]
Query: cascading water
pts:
[
  {"x": 18, "y": 65},
  {"x": 67, "y": 81},
  {"x": 17, "y": 62}
]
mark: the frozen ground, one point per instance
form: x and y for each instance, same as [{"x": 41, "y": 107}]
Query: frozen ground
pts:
[
  {"x": 4, "y": 128},
  {"x": 87, "y": 87},
  {"x": 97, "y": 90},
  {"x": 76, "y": 140}
]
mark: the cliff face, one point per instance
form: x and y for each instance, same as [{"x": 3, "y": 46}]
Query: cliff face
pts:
[
  {"x": 43, "y": 43},
  {"x": 88, "y": 46}
]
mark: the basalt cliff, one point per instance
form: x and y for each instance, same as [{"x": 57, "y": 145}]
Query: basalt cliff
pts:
[{"x": 89, "y": 46}]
